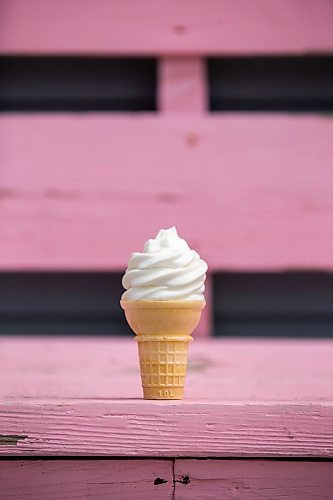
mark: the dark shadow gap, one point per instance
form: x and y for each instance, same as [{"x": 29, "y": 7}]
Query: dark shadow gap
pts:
[
  {"x": 81, "y": 84},
  {"x": 271, "y": 83},
  {"x": 62, "y": 303},
  {"x": 286, "y": 304}
]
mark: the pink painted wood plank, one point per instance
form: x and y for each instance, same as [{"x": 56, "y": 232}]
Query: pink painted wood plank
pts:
[
  {"x": 85, "y": 479},
  {"x": 198, "y": 428},
  {"x": 167, "y": 27},
  {"x": 248, "y": 192},
  {"x": 253, "y": 479},
  {"x": 243, "y": 399},
  {"x": 209, "y": 479},
  {"x": 182, "y": 85},
  {"x": 237, "y": 370}
]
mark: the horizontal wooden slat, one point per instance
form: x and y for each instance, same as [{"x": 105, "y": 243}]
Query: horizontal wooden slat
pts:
[
  {"x": 177, "y": 479},
  {"x": 248, "y": 192},
  {"x": 253, "y": 479},
  {"x": 166, "y": 27},
  {"x": 243, "y": 398},
  {"x": 238, "y": 370},
  {"x": 86, "y": 479}
]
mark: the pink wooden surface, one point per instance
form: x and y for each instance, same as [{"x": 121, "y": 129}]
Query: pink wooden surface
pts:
[
  {"x": 253, "y": 480},
  {"x": 247, "y": 191},
  {"x": 166, "y": 27},
  {"x": 184, "y": 479},
  {"x": 243, "y": 399},
  {"x": 182, "y": 85},
  {"x": 85, "y": 479}
]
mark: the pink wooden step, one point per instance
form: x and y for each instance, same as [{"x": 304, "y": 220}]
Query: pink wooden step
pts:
[{"x": 244, "y": 398}]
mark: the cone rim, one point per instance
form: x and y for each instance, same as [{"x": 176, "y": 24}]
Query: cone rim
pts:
[
  {"x": 163, "y": 304},
  {"x": 163, "y": 338}
]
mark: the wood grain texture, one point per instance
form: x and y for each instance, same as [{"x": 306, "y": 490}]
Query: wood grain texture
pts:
[
  {"x": 166, "y": 27},
  {"x": 130, "y": 428},
  {"x": 248, "y": 192},
  {"x": 194, "y": 479},
  {"x": 182, "y": 85},
  {"x": 85, "y": 479},
  {"x": 253, "y": 479},
  {"x": 243, "y": 399}
]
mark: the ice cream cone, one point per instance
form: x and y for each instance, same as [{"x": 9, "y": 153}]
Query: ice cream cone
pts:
[{"x": 163, "y": 330}]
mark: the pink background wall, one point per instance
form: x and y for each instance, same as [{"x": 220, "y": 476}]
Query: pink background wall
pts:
[{"x": 249, "y": 191}]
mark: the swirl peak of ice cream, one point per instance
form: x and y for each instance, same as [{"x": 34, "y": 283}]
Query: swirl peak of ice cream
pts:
[{"x": 168, "y": 269}]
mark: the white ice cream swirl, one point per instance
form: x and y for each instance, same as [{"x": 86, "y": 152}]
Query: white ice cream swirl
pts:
[{"x": 166, "y": 270}]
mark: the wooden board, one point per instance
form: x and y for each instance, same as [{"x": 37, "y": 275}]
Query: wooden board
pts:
[
  {"x": 197, "y": 428},
  {"x": 248, "y": 192},
  {"x": 173, "y": 479},
  {"x": 166, "y": 27},
  {"x": 253, "y": 479},
  {"x": 243, "y": 399},
  {"x": 86, "y": 479}
]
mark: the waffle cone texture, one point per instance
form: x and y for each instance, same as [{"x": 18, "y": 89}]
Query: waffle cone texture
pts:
[{"x": 163, "y": 332}]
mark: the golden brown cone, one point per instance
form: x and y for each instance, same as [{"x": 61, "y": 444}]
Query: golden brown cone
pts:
[{"x": 163, "y": 330}]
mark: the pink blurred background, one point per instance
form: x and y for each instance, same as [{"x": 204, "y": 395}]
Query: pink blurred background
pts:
[{"x": 120, "y": 118}]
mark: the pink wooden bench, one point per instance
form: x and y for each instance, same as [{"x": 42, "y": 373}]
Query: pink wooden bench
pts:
[{"x": 259, "y": 412}]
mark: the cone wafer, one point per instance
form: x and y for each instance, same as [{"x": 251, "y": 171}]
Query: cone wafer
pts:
[{"x": 163, "y": 330}]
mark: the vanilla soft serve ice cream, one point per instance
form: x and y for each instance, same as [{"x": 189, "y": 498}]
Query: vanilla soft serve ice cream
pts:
[
  {"x": 163, "y": 302},
  {"x": 167, "y": 269}
]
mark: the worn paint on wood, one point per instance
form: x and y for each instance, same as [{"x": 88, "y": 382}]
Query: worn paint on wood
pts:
[
  {"x": 248, "y": 192},
  {"x": 166, "y": 27},
  {"x": 253, "y": 479},
  {"x": 177, "y": 479},
  {"x": 197, "y": 428},
  {"x": 83, "y": 479},
  {"x": 243, "y": 398}
]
